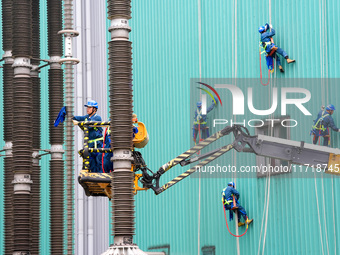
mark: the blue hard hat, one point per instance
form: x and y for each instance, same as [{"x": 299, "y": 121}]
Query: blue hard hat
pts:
[
  {"x": 231, "y": 183},
  {"x": 92, "y": 103},
  {"x": 330, "y": 107},
  {"x": 261, "y": 29},
  {"x": 199, "y": 104}
]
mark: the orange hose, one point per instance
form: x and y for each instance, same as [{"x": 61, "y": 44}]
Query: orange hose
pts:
[
  {"x": 225, "y": 216},
  {"x": 261, "y": 73},
  {"x": 103, "y": 153}
]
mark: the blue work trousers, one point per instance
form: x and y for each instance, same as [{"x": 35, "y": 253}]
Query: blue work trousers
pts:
[
  {"x": 240, "y": 211},
  {"x": 325, "y": 140},
  {"x": 95, "y": 167},
  {"x": 203, "y": 129},
  {"x": 282, "y": 53}
]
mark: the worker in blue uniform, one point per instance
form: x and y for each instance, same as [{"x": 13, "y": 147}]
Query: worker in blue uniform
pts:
[
  {"x": 321, "y": 126},
  {"x": 95, "y": 133},
  {"x": 104, "y": 159},
  {"x": 270, "y": 47},
  {"x": 200, "y": 120},
  {"x": 227, "y": 200}
]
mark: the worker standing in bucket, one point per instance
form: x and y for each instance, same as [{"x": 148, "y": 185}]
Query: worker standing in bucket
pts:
[
  {"x": 227, "y": 199},
  {"x": 321, "y": 126},
  {"x": 270, "y": 47},
  {"x": 200, "y": 121},
  {"x": 95, "y": 133}
]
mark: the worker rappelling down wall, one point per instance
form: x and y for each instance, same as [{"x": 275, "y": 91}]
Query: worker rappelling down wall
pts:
[{"x": 271, "y": 51}]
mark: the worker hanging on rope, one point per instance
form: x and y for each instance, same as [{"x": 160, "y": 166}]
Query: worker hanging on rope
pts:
[
  {"x": 271, "y": 49},
  {"x": 95, "y": 133},
  {"x": 321, "y": 126},
  {"x": 228, "y": 194},
  {"x": 200, "y": 121}
]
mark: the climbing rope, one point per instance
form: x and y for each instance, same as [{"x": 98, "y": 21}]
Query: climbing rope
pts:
[
  {"x": 319, "y": 218},
  {"x": 333, "y": 213},
  {"x": 103, "y": 153},
  {"x": 261, "y": 73},
  {"x": 324, "y": 96},
  {"x": 266, "y": 221},
  {"x": 270, "y": 133},
  {"x": 324, "y": 213},
  {"x": 264, "y": 210},
  {"x": 199, "y": 19},
  {"x": 234, "y": 156},
  {"x": 225, "y": 216}
]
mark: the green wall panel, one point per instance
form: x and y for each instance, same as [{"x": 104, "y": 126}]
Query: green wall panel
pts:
[
  {"x": 165, "y": 59},
  {"x": 166, "y": 56}
]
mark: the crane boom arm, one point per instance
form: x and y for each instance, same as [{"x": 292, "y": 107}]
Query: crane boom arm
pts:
[{"x": 299, "y": 153}]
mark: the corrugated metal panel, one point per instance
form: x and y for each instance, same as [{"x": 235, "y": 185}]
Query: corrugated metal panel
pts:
[
  {"x": 166, "y": 56},
  {"x": 45, "y": 180},
  {"x": 165, "y": 43}
]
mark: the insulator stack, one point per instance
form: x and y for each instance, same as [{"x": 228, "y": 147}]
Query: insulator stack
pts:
[
  {"x": 22, "y": 28},
  {"x": 36, "y": 98},
  {"x": 119, "y": 9},
  {"x": 120, "y": 63},
  {"x": 7, "y": 34},
  {"x": 69, "y": 33},
  {"x": 23, "y": 138},
  {"x": 8, "y": 101},
  {"x": 56, "y": 102},
  {"x": 121, "y": 109}
]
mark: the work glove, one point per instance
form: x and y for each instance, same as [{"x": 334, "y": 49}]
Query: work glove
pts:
[
  {"x": 339, "y": 130},
  {"x": 135, "y": 131},
  {"x": 271, "y": 26},
  {"x": 216, "y": 100},
  {"x": 266, "y": 26}
]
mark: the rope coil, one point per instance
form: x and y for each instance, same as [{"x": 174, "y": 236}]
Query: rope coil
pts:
[{"x": 225, "y": 216}]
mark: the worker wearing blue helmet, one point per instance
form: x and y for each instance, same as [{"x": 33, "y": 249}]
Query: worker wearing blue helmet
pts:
[
  {"x": 200, "y": 120},
  {"x": 270, "y": 47},
  {"x": 321, "y": 126},
  {"x": 227, "y": 200},
  {"x": 95, "y": 133}
]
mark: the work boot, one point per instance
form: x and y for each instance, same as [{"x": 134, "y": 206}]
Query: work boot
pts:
[
  {"x": 240, "y": 224},
  {"x": 248, "y": 221},
  {"x": 290, "y": 60},
  {"x": 281, "y": 69}
]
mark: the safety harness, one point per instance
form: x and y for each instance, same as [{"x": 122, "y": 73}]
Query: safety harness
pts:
[
  {"x": 96, "y": 129},
  {"x": 224, "y": 200},
  {"x": 95, "y": 141},
  {"x": 264, "y": 45},
  {"x": 319, "y": 123},
  {"x": 199, "y": 116},
  {"x": 228, "y": 202}
]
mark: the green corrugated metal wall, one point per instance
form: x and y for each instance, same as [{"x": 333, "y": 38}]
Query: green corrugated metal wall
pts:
[{"x": 166, "y": 56}]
